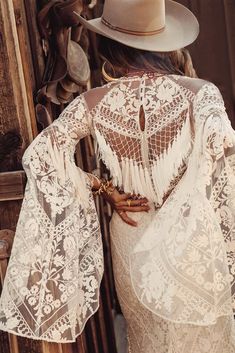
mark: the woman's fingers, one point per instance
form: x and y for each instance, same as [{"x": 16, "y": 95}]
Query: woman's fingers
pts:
[
  {"x": 134, "y": 208},
  {"x": 123, "y": 197},
  {"x": 127, "y": 219},
  {"x": 130, "y": 203},
  {"x": 133, "y": 205}
]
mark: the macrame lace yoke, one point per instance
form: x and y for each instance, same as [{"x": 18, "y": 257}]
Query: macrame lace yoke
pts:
[
  {"x": 183, "y": 267},
  {"x": 146, "y": 161}
]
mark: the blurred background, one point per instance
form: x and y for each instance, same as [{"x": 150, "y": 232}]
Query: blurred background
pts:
[{"x": 46, "y": 59}]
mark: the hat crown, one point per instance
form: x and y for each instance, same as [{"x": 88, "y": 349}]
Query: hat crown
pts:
[
  {"x": 153, "y": 25},
  {"x": 135, "y": 15}
]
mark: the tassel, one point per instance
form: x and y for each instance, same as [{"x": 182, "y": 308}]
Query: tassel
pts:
[
  {"x": 138, "y": 189},
  {"x": 140, "y": 185},
  {"x": 134, "y": 180},
  {"x": 127, "y": 184},
  {"x": 148, "y": 185}
]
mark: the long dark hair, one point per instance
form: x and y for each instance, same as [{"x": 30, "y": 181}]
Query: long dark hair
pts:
[{"x": 122, "y": 59}]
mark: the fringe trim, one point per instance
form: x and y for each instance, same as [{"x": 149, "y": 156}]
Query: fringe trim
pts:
[
  {"x": 109, "y": 157},
  {"x": 136, "y": 179},
  {"x": 171, "y": 160},
  {"x": 67, "y": 170},
  {"x": 148, "y": 182}
]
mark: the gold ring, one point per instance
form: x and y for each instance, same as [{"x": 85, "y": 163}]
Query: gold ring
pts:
[{"x": 128, "y": 203}]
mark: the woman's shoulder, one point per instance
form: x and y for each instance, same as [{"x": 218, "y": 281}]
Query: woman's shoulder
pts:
[
  {"x": 94, "y": 95},
  {"x": 195, "y": 85},
  {"x": 204, "y": 95},
  {"x": 206, "y": 92}
]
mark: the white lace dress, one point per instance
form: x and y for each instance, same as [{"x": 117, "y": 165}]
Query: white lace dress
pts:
[{"x": 175, "y": 272}]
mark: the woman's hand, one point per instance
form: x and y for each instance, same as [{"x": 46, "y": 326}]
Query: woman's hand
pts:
[{"x": 123, "y": 203}]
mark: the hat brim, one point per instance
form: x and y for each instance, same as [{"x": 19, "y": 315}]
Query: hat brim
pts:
[{"x": 182, "y": 28}]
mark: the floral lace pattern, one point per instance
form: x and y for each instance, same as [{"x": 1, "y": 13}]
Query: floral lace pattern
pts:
[
  {"x": 176, "y": 280},
  {"x": 182, "y": 266},
  {"x": 148, "y": 332},
  {"x": 52, "y": 282}
]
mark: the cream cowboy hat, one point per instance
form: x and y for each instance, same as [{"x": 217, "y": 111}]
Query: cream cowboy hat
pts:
[{"x": 154, "y": 25}]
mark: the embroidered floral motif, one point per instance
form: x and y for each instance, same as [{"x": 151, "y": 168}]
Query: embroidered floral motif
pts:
[
  {"x": 189, "y": 245},
  {"x": 54, "y": 264}
]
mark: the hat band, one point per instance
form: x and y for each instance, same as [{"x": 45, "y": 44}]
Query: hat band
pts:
[{"x": 127, "y": 31}]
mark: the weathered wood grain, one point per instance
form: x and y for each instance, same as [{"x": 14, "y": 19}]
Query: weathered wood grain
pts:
[
  {"x": 12, "y": 185},
  {"x": 26, "y": 58},
  {"x": 38, "y": 60},
  {"x": 15, "y": 101}
]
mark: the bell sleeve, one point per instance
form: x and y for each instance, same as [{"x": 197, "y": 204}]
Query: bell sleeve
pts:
[
  {"x": 52, "y": 282},
  {"x": 183, "y": 268}
]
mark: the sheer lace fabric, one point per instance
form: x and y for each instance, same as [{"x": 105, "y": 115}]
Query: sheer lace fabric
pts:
[
  {"x": 148, "y": 332},
  {"x": 52, "y": 281},
  {"x": 180, "y": 266},
  {"x": 180, "y": 272}
]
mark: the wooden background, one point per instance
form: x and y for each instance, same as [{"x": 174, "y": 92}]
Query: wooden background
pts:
[
  {"x": 214, "y": 51},
  {"x": 22, "y": 63}
]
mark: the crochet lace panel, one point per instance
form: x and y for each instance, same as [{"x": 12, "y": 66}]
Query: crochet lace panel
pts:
[{"x": 144, "y": 162}]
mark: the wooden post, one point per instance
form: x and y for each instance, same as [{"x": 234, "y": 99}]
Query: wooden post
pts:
[{"x": 16, "y": 102}]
